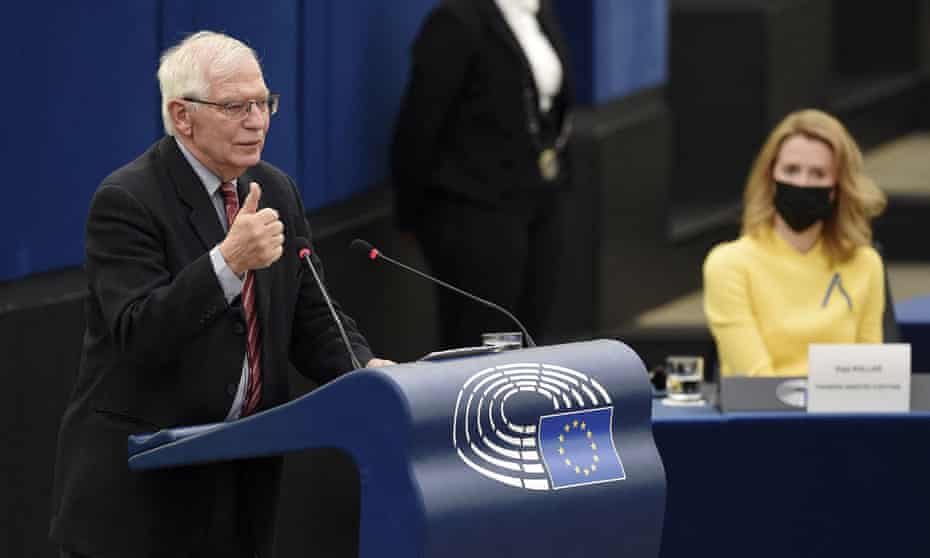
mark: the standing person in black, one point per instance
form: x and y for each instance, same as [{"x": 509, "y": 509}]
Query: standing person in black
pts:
[
  {"x": 479, "y": 160},
  {"x": 197, "y": 306}
]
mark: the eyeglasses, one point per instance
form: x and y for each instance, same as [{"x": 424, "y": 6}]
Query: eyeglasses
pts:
[{"x": 238, "y": 110}]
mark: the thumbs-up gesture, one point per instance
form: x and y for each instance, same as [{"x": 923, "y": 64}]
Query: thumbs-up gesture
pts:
[{"x": 256, "y": 237}]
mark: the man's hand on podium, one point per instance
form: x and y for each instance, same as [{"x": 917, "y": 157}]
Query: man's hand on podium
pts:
[{"x": 376, "y": 362}]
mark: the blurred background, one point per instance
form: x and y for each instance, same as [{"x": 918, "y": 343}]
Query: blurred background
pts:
[{"x": 676, "y": 97}]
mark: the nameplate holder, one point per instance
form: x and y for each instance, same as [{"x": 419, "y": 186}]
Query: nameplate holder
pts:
[{"x": 860, "y": 378}]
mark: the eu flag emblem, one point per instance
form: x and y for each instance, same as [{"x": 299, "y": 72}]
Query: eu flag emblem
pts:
[{"x": 578, "y": 448}]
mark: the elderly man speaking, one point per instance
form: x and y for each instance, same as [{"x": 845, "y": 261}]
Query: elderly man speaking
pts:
[{"x": 197, "y": 304}]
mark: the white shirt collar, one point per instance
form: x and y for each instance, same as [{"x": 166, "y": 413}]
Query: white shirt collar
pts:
[
  {"x": 209, "y": 180},
  {"x": 519, "y": 6}
]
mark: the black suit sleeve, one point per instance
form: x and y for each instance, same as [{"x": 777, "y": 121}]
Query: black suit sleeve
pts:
[
  {"x": 440, "y": 60},
  {"x": 317, "y": 349},
  {"x": 145, "y": 309}
]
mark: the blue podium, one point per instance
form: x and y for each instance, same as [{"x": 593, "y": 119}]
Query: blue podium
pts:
[{"x": 536, "y": 452}]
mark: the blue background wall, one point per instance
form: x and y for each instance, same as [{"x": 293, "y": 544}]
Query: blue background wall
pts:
[
  {"x": 618, "y": 46},
  {"x": 81, "y": 97}
]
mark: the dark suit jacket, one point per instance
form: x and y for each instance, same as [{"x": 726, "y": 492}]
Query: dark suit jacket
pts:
[
  {"x": 463, "y": 127},
  {"x": 163, "y": 348}
]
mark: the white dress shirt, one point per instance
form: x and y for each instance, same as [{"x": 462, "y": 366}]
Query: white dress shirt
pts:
[{"x": 544, "y": 62}]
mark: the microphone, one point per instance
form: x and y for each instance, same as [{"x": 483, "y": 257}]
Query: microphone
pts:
[
  {"x": 303, "y": 252},
  {"x": 373, "y": 253}
]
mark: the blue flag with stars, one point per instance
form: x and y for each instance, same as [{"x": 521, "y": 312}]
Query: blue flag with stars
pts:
[{"x": 578, "y": 449}]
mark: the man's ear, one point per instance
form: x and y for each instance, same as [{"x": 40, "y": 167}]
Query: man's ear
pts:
[{"x": 181, "y": 117}]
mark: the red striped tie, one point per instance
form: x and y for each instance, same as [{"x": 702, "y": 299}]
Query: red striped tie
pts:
[{"x": 253, "y": 393}]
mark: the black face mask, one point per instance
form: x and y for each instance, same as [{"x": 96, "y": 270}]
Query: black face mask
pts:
[{"x": 802, "y": 207}]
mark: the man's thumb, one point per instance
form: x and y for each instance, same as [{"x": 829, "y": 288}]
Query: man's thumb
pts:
[{"x": 250, "y": 205}]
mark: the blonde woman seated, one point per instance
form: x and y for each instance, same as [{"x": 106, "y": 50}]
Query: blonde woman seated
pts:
[{"x": 803, "y": 270}]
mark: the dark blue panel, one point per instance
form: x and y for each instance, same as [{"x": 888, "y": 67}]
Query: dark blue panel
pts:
[
  {"x": 176, "y": 20},
  {"x": 794, "y": 484},
  {"x": 618, "y": 47},
  {"x": 355, "y": 59},
  {"x": 92, "y": 106},
  {"x": 368, "y": 65},
  {"x": 576, "y": 18},
  {"x": 630, "y": 46},
  {"x": 314, "y": 47}
]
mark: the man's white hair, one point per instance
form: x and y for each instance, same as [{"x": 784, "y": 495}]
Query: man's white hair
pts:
[{"x": 183, "y": 68}]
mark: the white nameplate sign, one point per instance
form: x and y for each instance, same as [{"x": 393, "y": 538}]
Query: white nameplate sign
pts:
[{"x": 859, "y": 378}]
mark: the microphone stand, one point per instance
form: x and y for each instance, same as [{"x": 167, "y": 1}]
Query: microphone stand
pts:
[
  {"x": 373, "y": 254},
  {"x": 304, "y": 254}
]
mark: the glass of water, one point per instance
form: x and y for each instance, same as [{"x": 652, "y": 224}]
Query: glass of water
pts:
[
  {"x": 503, "y": 341},
  {"x": 684, "y": 376}
]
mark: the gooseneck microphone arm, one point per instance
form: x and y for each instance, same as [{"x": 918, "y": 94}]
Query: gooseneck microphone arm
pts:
[
  {"x": 373, "y": 253},
  {"x": 303, "y": 252}
]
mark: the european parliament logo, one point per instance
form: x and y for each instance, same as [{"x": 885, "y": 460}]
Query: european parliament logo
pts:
[{"x": 569, "y": 447}]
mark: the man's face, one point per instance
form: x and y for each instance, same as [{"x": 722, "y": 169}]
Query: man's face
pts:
[{"x": 224, "y": 145}]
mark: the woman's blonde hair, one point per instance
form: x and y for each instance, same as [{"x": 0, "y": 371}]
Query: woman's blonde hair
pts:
[{"x": 858, "y": 200}]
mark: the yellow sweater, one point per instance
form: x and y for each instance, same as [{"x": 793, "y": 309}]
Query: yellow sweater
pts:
[{"x": 765, "y": 302}]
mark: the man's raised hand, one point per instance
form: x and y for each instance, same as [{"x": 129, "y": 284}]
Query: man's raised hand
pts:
[{"x": 256, "y": 237}]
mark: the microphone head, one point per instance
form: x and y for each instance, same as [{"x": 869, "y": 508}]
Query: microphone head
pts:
[
  {"x": 362, "y": 246},
  {"x": 303, "y": 247}
]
